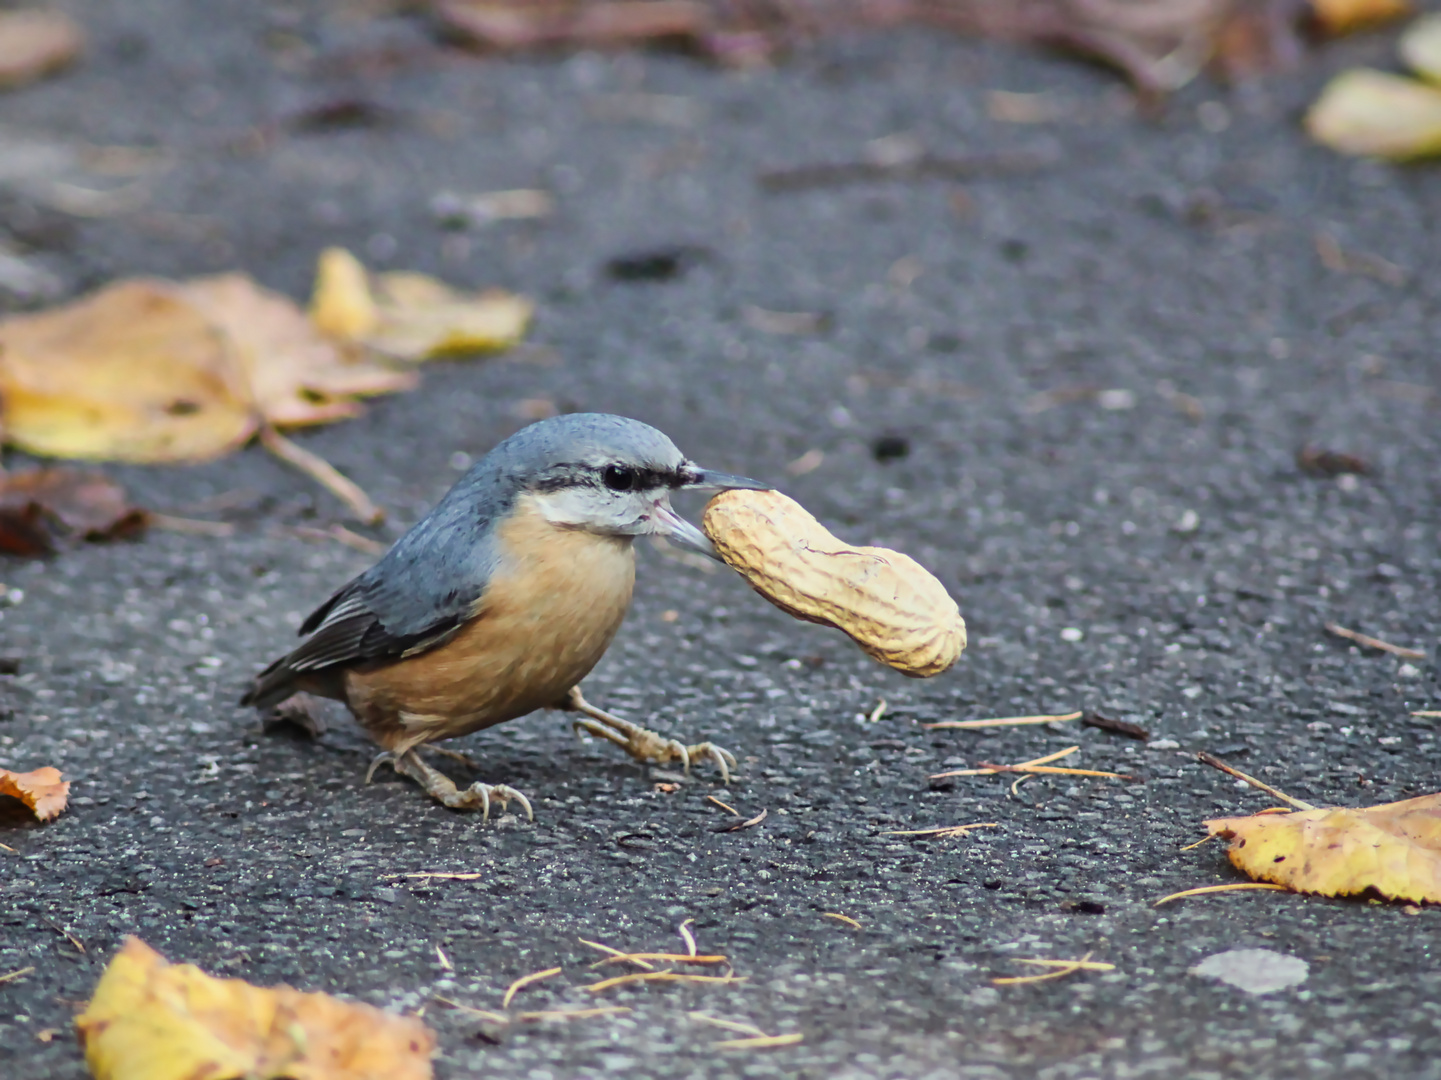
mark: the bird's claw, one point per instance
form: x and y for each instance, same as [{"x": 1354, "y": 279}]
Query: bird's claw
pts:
[
  {"x": 643, "y": 744},
  {"x": 442, "y": 788}
]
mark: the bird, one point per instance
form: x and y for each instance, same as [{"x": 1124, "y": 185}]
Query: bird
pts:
[{"x": 501, "y": 599}]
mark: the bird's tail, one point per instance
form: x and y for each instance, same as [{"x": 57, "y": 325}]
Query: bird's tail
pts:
[{"x": 271, "y": 686}]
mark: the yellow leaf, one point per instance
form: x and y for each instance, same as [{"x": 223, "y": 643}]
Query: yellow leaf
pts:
[
  {"x": 1345, "y": 16},
  {"x": 421, "y": 317},
  {"x": 1394, "y": 849},
  {"x": 296, "y": 375},
  {"x": 341, "y": 304},
  {"x": 1420, "y": 47},
  {"x": 152, "y": 1020},
  {"x": 131, "y": 373},
  {"x": 1374, "y": 114},
  {"x": 411, "y": 316},
  {"x": 42, "y": 790}
]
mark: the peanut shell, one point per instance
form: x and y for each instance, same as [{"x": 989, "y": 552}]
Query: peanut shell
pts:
[{"x": 889, "y": 604}]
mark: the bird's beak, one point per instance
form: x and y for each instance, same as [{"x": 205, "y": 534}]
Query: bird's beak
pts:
[
  {"x": 710, "y": 480},
  {"x": 682, "y": 532}
]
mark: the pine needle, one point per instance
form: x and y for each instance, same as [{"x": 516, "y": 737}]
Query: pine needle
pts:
[
  {"x": 664, "y": 957},
  {"x": 945, "y": 831},
  {"x": 1366, "y": 641},
  {"x": 660, "y": 976},
  {"x": 841, "y": 918},
  {"x": 616, "y": 952},
  {"x": 323, "y": 473},
  {"x": 1005, "y": 721},
  {"x": 1234, "y": 887},
  {"x": 730, "y": 1025},
  {"x": 524, "y": 981},
  {"x": 763, "y": 1042}
]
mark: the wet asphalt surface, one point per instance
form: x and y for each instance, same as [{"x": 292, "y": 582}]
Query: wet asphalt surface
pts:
[{"x": 1164, "y": 562}]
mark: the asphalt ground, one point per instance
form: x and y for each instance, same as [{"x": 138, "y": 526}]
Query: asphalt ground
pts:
[{"x": 1166, "y": 563}]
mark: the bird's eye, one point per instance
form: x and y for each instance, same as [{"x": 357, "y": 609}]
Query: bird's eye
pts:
[{"x": 619, "y": 478}]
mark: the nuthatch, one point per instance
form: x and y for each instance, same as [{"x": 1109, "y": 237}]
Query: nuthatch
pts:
[{"x": 502, "y": 598}]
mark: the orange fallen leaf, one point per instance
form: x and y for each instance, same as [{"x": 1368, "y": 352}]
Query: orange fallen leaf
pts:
[
  {"x": 1337, "y": 17},
  {"x": 35, "y": 43},
  {"x": 42, "y": 790},
  {"x": 295, "y": 374},
  {"x": 153, "y": 1020},
  {"x": 1394, "y": 848}
]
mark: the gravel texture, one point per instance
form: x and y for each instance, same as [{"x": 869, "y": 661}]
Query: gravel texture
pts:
[{"x": 1138, "y": 541}]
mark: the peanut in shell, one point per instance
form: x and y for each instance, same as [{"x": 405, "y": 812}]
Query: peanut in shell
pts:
[{"x": 890, "y": 605}]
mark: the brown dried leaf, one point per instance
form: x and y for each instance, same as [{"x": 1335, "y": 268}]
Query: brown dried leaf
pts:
[
  {"x": 152, "y": 1020},
  {"x": 38, "y": 504},
  {"x": 41, "y": 790},
  {"x": 1394, "y": 848},
  {"x": 35, "y": 43}
]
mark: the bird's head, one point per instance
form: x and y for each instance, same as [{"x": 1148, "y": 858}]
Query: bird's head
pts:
[{"x": 613, "y": 476}]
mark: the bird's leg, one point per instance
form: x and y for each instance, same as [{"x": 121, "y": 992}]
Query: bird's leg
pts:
[
  {"x": 442, "y": 788},
  {"x": 641, "y": 744},
  {"x": 458, "y": 756}
]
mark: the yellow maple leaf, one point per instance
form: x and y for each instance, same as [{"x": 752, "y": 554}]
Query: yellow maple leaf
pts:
[
  {"x": 1394, "y": 848},
  {"x": 133, "y": 372},
  {"x": 153, "y": 1020}
]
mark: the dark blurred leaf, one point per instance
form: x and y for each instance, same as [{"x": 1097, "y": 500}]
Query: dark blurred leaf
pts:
[{"x": 41, "y": 507}]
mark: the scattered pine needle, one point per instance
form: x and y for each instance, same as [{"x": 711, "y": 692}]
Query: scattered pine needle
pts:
[
  {"x": 1204, "y": 840},
  {"x": 323, "y": 473},
  {"x": 945, "y": 832},
  {"x": 191, "y": 526},
  {"x": 878, "y": 712},
  {"x": 1038, "y": 765},
  {"x": 1016, "y": 785},
  {"x": 484, "y": 1014},
  {"x": 841, "y": 918},
  {"x": 448, "y": 877},
  {"x": 1233, "y": 887},
  {"x": 1082, "y": 965},
  {"x": 763, "y": 1042},
  {"x": 340, "y": 534},
  {"x": 10, "y": 849},
  {"x": 724, "y": 806},
  {"x": 524, "y": 981},
  {"x": 1430, "y": 714},
  {"x": 1005, "y": 721},
  {"x": 684, "y": 931},
  {"x": 660, "y": 976},
  {"x": 571, "y": 1014},
  {"x": 730, "y": 1025},
  {"x": 1216, "y": 763},
  {"x": 1368, "y": 642},
  {"x": 444, "y": 960},
  {"x": 663, "y": 957},
  {"x": 16, "y": 975},
  {"x": 1063, "y": 968},
  {"x": 747, "y": 823},
  {"x": 616, "y": 952}
]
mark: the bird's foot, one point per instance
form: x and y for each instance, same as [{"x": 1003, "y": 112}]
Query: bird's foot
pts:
[
  {"x": 442, "y": 788},
  {"x": 641, "y": 743},
  {"x": 458, "y": 756}
]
